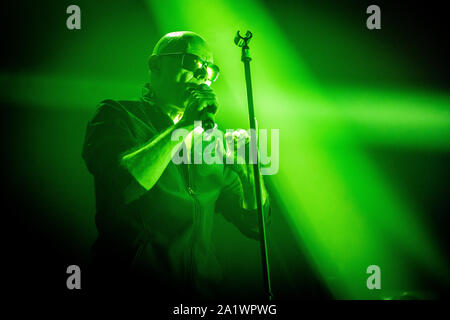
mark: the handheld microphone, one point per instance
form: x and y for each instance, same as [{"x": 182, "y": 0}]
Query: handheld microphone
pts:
[
  {"x": 208, "y": 112},
  {"x": 208, "y": 121}
]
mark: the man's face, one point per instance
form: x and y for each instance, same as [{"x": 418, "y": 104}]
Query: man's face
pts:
[{"x": 174, "y": 80}]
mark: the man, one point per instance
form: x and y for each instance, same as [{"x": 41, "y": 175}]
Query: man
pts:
[{"x": 155, "y": 217}]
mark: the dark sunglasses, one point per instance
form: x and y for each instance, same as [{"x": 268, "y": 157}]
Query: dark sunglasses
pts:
[{"x": 196, "y": 64}]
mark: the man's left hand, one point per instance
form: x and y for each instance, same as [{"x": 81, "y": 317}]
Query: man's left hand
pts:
[{"x": 239, "y": 159}]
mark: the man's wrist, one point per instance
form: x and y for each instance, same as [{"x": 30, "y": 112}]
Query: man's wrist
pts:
[{"x": 249, "y": 192}]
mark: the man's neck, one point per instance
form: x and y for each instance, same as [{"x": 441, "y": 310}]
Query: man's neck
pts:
[{"x": 172, "y": 111}]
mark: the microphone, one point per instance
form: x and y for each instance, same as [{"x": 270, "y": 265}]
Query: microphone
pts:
[
  {"x": 208, "y": 112},
  {"x": 208, "y": 121}
]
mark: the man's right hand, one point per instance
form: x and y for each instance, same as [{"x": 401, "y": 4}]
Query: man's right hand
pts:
[{"x": 201, "y": 101}]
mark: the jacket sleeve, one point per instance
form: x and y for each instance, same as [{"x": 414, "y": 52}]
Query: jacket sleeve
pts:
[
  {"x": 229, "y": 205},
  {"x": 108, "y": 137}
]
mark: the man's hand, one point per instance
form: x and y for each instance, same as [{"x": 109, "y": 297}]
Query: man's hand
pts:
[
  {"x": 201, "y": 101},
  {"x": 237, "y": 155}
]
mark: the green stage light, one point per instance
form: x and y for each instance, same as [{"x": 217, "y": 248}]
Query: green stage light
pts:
[{"x": 338, "y": 204}]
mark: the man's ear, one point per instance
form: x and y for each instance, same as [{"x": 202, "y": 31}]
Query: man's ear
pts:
[{"x": 153, "y": 63}]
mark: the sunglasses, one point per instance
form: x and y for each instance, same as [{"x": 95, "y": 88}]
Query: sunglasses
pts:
[{"x": 196, "y": 64}]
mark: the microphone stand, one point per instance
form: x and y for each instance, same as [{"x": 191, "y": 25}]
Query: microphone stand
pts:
[{"x": 242, "y": 42}]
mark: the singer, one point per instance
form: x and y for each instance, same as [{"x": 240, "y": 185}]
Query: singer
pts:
[{"x": 155, "y": 217}]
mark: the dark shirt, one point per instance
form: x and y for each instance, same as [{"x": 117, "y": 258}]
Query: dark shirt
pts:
[{"x": 163, "y": 234}]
